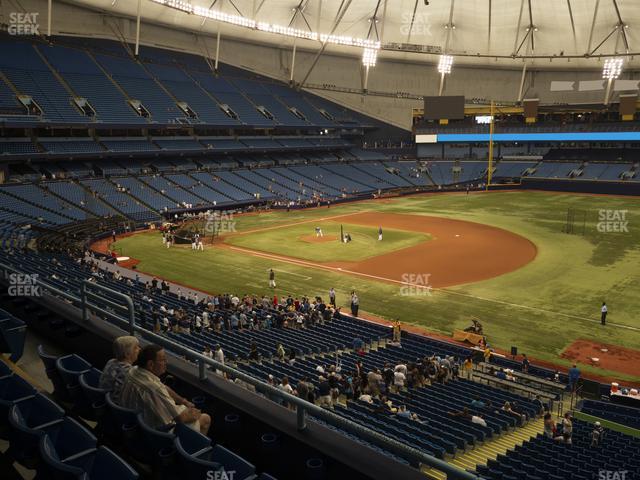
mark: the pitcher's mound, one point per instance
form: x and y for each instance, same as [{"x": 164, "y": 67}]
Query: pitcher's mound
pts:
[{"x": 314, "y": 239}]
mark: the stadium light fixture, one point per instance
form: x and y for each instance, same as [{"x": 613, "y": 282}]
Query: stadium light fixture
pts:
[
  {"x": 369, "y": 57},
  {"x": 241, "y": 21},
  {"x": 445, "y": 64},
  {"x": 612, "y": 68}
]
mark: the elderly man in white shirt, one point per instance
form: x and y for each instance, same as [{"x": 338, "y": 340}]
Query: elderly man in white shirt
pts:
[{"x": 160, "y": 405}]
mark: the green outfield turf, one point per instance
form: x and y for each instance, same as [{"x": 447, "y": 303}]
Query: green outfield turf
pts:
[
  {"x": 540, "y": 308},
  {"x": 294, "y": 241}
]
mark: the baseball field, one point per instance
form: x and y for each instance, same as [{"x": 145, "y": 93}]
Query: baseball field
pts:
[{"x": 533, "y": 267}]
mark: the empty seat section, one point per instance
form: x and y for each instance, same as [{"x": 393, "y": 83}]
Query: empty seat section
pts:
[
  {"x": 89, "y": 81},
  {"x": 45, "y": 215},
  {"x": 237, "y": 186},
  {"x": 171, "y": 190},
  {"x": 138, "y": 85},
  {"x": 77, "y": 195},
  {"x": 227, "y": 94},
  {"x": 200, "y": 184},
  {"x": 186, "y": 90},
  {"x": 24, "y": 68},
  {"x": 129, "y": 145},
  {"x": 119, "y": 200}
]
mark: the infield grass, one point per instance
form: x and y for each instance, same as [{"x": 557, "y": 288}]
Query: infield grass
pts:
[
  {"x": 540, "y": 308},
  {"x": 294, "y": 241}
]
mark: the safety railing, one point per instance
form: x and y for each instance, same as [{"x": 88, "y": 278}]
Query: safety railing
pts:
[{"x": 90, "y": 294}]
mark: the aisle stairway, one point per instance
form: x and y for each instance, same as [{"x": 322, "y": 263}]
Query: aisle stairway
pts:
[{"x": 490, "y": 450}]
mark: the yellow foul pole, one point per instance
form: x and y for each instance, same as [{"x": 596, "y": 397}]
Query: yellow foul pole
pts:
[{"x": 490, "y": 168}]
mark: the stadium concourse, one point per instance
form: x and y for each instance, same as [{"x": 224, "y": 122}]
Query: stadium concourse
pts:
[{"x": 122, "y": 119}]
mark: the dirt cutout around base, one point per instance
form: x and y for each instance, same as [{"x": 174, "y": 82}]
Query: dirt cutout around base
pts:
[
  {"x": 315, "y": 239},
  {"x": 615, "y": 359}
]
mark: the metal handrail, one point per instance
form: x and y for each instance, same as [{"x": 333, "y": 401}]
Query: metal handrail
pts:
[
  {"x": 302, "y": 406},
  {"x": 86, "y": 293}
]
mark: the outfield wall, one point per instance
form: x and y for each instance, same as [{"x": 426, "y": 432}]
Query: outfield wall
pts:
[{"x": 582, "y": 186}]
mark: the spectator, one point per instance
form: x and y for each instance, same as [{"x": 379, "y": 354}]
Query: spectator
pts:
[
  {"x": 567, "y": 430},
  {"x": 305, "y": 389},
  {"x": 160, "y": 405},
  {"x": 292, "y": 356},
  {"x": 324, "y": 392},
  {"x": 399, "y": 378},
  {"x": 397, "y": 331},
  {"x": 404, "y": 413},
  {"x": 479, "y": 404},
  {"x": 355, "y": 304},
  {"x": 280, "y": 352},
  {"x": 487, "y": 354},
  {"x": 574, "y": 376},
  {"x": 286, "y": 387},
  {"x": 464, "y": 413},
  {"x": 253, "y": 352},
  {"x": 374, "y": 379},
  {"x": 525, "y": 363},
  {"x": 550, "y": 430},
  {"x": 540, "y": 405},
  {"x": 218, "y": 356},
  {"x": 509, "y": 410},
  {"x": 468, "y": 367},
  {"x": 596, "y": 435},
  {"x": 125, "y": 352},
  {"x": 365, "y": 397}
]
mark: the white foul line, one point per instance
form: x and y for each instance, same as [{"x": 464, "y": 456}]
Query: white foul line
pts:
[
  {"x": 291, "y": 273},
  {"x": 304, "y": 263}
]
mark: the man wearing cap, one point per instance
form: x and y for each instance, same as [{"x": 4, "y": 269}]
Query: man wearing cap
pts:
[{"x": 596, "y": 434}]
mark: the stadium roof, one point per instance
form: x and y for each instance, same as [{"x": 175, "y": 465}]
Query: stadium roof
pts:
[{"x": 474, "y": 31}]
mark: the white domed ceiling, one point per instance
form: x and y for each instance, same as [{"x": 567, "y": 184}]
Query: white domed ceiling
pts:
[{"x": 573, "y": 33}]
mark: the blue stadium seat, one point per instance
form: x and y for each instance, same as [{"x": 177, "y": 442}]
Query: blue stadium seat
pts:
[
  {"x": 70, "y": 368},
  {"x": 13, "y": 389},
  {"x": 232, "y": 462},
  {"x": 12, "y": 335},
  {"x": 154, "y": 445},
  {"x": 92, "y": 404},
  {"x": 105, "y": 465},
  {"x": 29, "y": 420},
  {"x": 51, "y": 370},
  {"x": 194, "y": 453},
  {"x": 64, "y": 445},
  {"x": 123, "y": 422}
]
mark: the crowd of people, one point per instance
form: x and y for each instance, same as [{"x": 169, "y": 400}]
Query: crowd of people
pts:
[{"x": 133, "y": 376}]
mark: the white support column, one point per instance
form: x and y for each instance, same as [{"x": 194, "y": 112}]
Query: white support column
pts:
[
  {"x": 49, "y": 13},
  {"x": 366, "y": 78},
  {"x": 607, "y": 92},
  {"x": 293, "y": 61},
  {"x": 215, "y": 67},
  {"x": 441, "y": 89},
  {"x": 138, "y": 27},
  {"x": 522, "y": 79}
]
